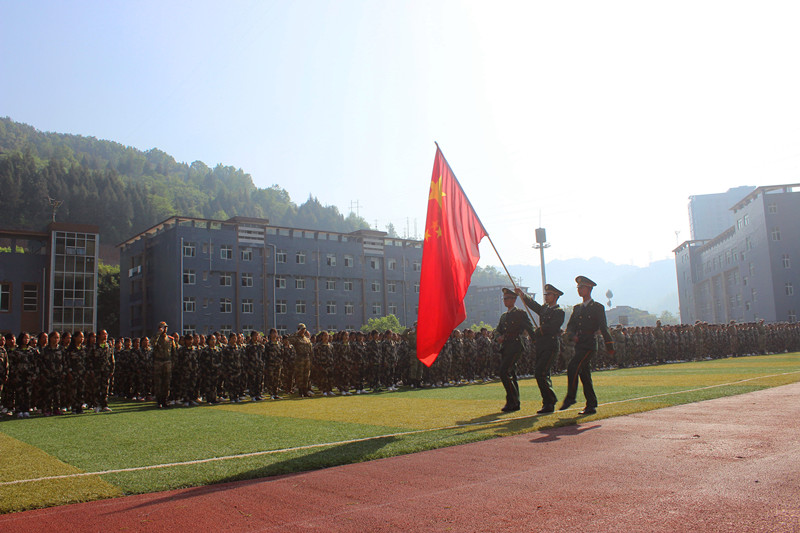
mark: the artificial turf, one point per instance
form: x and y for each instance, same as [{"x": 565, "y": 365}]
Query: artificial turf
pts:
[{"x": 298, "y": 435}]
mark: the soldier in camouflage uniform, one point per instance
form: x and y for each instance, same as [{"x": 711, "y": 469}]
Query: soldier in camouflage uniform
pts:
[
  {"x": 343, "y": 362},
  {"x": 209, "y": 364},
  {"x": 21, "y": 369},
  {"x": 304, "y": 351},
  {"x": 322, "y": 364},
  {"x": 232, "y": 368},
  {"x": 75, "y": 363}
]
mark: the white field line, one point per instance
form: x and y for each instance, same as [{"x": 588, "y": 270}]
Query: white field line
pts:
[{"x": 351, "y": 441}]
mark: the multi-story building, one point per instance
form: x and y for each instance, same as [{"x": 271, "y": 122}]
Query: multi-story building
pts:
[
  {"x": 710, "y": 214},
  {"x": 750, "y": 270},
  {"x": 48, "y": 279},
  {"x": 243, "y": 274}
]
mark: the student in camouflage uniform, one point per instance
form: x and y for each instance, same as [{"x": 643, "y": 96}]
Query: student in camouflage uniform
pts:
[
  {"x": 75, "y": 365},
  {"x": 21, "y": 363},
  {"x": 304, "y": 351},
  {"x": 273, "y": 361},
  {"x": 3, "y": 373},
  {"x": 52, "y": 372},
  {"x": 101, "y": 360},
  {"x": 254, "y": 365},
  {"x": 342, "y": 362},
  {"x": 209, "y": 365},
  {"x": 232, "y": 368},
  {"x": 322, "y": 364},
  {"x": 164, "y": 352}
]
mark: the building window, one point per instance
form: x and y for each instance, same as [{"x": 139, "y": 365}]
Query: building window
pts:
[
  {"x": 189, "y": 304},
  {"x": 348, "y": 260},
  {"x": 30, "y": 298},
  {"x": 330, "y": 260},
  {"x": 330, "y": 284},
  {"x": 247, "y": 305},
  {"x": 299, "y": 283},
  {"x": 391, "y": 286},
  {"x": 775, "y": 233},
  {"x": 348, "y": 308},
  {"x": 280, "y": 256},
  {"x": 746, "y": 219},
  {"x": 375, "y": 286},
  {"x": 330, "y": 307},
  {"x": 225, "y": 305},
  {"x": 792, "y": 316},
  {"x": 376, "y": 309},
  {"x": 789, "y": 288},
  {"x": 225, "y": 279},
  {"x": 417, "y": 266},
  {"x": 300, "y": 307},
  {"x": 772, "y": 208},
  {"x": 753, "y": 295},
  {"x": 225, "y": 330},
  {"x": 787, "y": 263},
  {"x": 282, "y": 329},
  {"x": 280, "y": 307},
  {"x": 5, "y": 297},
  {"x": 416, "y": 288},
  {"x": 300, "y": 258},
  {"x": 189, "y": 277},
  {"x": 393, "y": 309},
  {"x": 226, "y": 252},
  {"x": 189, "y": 249},
  {"x": 189, "y": 329},
  {"x": 374, "y": 263},
  {"x": 391, "y": 264},
  {"x": 748, "y": 244},
  {"x": 348, "y": 285},
  {"x": 247, "y": 254},
  {"x": 280, "y": 282},
  {"x": 247, "y": 279}
]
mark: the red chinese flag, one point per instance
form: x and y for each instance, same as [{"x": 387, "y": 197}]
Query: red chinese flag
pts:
[{"x": 449, "y": 257}]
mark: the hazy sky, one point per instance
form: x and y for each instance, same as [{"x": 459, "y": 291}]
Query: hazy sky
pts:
[{"x": 599, "y": 118}]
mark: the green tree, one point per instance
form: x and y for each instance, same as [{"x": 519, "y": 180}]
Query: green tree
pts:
[
  {"x": 477, "y": 327},
  {"x": 668, "y": 318},
  {"x": 108, "y": 298},
  {"x": 382, "y": 324}
]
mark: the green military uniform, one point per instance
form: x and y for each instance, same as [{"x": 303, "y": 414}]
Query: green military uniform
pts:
[
  {"x": 586, "y": 319},
  {"x": 512, "y": 323},
  {"x": 548, "y": 337}
]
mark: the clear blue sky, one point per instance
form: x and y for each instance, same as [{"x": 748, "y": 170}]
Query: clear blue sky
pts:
[{"x": 600, "y": 117}]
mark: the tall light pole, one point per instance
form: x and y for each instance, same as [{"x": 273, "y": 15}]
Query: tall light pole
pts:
[{"x": 541, "y": 244}]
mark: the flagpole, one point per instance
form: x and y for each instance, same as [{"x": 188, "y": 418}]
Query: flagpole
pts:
[{"x": 484, "y": 229}]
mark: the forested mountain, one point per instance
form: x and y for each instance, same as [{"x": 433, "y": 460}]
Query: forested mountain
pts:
[{"x": 124, "y": 190}]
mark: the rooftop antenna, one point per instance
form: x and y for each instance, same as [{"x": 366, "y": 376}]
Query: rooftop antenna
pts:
[{"x": 55, "y": 204}]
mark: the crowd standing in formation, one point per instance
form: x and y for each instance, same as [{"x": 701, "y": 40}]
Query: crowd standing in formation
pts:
[{"x": 62, "y": 372}]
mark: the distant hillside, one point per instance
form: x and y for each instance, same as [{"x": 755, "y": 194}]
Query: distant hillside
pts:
[
  {"x": 653, "y": 288},
  {"x": 124, "y": 190}
]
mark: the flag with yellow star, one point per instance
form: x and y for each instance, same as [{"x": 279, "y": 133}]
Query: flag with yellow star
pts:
[{"x": 449, "y": 257}]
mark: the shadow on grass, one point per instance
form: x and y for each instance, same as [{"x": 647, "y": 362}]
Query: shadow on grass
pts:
[{"x": 353, "y": 452}]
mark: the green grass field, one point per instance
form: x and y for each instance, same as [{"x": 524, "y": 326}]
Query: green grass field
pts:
[{"x": 140, "y": 449}]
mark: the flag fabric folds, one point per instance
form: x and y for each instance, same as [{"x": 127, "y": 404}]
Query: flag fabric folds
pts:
[{"x": 449, "y": 256}]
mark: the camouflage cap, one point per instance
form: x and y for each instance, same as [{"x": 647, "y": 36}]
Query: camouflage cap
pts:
[
  {"x": 301, "y": 326},
  {"x": 162, "y": 324}
]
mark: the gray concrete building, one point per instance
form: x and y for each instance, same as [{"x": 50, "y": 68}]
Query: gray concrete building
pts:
[
  {"x": 48, "y": 279},
  {"x": 751, "y": 269},
  {"x": 244, "y": 274},
  {"x": 710, "y": 214}
]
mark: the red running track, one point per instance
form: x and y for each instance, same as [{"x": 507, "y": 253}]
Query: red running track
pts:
[{"x": 730, "y": 464}]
